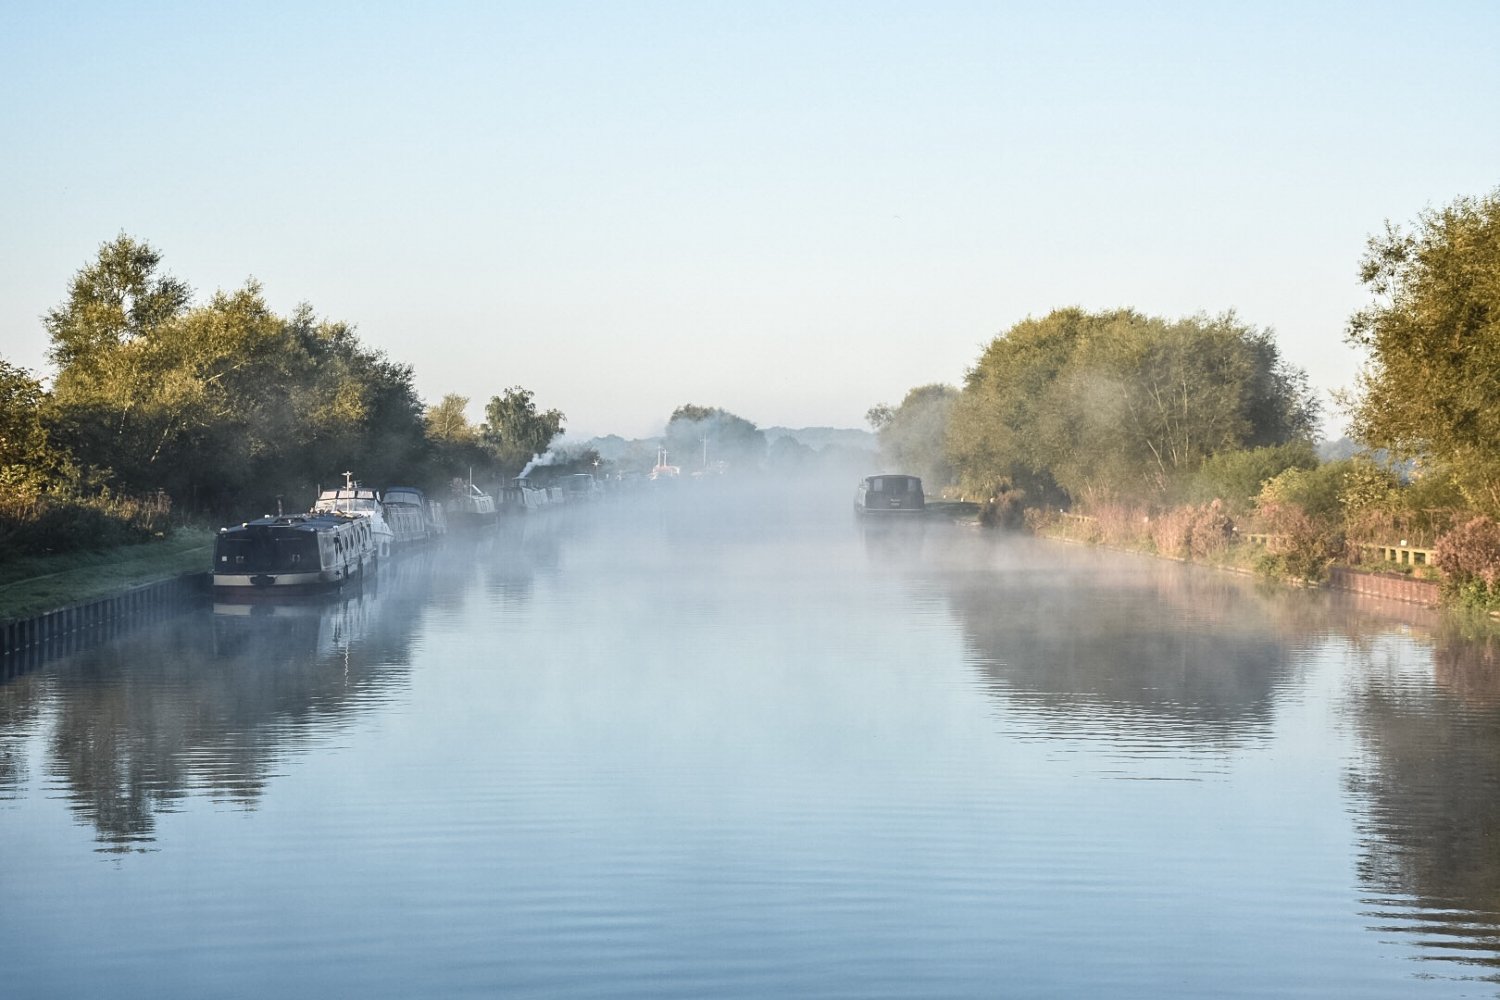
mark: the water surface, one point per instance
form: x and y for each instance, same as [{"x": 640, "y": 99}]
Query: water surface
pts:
[{"x": 729, "y": 746}]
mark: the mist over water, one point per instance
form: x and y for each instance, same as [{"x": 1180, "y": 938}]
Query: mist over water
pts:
[{"x": 716, "y": 740}]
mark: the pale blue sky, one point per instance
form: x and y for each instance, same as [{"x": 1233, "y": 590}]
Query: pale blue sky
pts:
[{"x": 792, "y": 210}]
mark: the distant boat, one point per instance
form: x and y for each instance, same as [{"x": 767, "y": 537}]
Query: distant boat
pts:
[
  {"x": 413, "y": 517},
  {"x": 352, "y": 498},
  {"x": 520, "y": 498},
  {"x": 889, "y": 494},
  {"x": 303, "y": 553},
  {"x": 469, "y": 506},
  {"x": 582, "y": 486}
]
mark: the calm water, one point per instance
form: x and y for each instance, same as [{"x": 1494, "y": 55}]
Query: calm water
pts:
[{"x": 748, "y": 749}]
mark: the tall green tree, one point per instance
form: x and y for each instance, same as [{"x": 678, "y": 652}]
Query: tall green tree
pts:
[
  {"x": 225, "y": 404},
  {"x": 514, "y": 429},
  {"x": 1118, "y": 404},
  {"x": 117, "y": 299},
  {"x": 1431, "y": 385}
]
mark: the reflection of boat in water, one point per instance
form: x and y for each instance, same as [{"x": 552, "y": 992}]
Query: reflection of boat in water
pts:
[
  {"x": 889, "y": 494},
  {"x": 352, "y": 498},
  {"x": 303, "y": 553}
]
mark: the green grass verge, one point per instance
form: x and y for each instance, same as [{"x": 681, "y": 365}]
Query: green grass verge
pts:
[{"x": 34, "y": 585}]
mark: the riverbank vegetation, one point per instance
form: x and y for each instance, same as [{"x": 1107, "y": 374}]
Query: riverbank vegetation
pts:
[
  {"x": 1194, "y": 438},
  {"x": 160, "y": 411},
  {"x": 34, "y": 584}
]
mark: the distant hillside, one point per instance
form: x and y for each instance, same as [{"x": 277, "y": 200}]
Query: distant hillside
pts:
[{"x": 821, "y": 437}]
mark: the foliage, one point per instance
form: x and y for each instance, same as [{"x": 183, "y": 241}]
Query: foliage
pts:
[
  {"x": 1431, "y": 386},
  {"x": 1118, "y": 405},
  {"x": 699, "y": 437},
  {"x": 49, "y": 523},
  {"x": 515, "y": 431},
  {"x": 1300, "y": 545},
  {"x": 221, "y": 405},
  {"x": 1316, "y": 491},
  {"x": 913, "y": 435},
  {"x": 1236, "y": 476},
  {"x": 1469, "y": 557},
  {"x": 1193, "y": 532},
  {"x": 29, "y": 462}
]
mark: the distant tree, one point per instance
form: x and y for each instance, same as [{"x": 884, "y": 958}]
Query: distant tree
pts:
[
  {"x": 697, "y": 437},
  {"x": 446, "y": 421},
  {"x": 514, "y": 429},
  {"x": 1119, "y": 404},
  {"x": 913, "y": 436},
  {"x": 1431, "y": 385}
]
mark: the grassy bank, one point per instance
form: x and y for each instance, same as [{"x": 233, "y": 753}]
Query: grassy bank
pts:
[{"x": 32, "y": 585}]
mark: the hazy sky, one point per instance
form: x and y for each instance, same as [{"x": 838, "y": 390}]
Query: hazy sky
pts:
[{"x": 792, "y": 210}]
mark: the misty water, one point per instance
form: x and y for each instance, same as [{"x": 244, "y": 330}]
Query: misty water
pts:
[{"x": 710, "y": 744}]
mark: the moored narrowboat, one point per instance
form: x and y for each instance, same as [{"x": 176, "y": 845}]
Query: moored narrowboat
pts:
[
  {"x": 304, "y": 553},
  {"x": 890, "y": 494}
]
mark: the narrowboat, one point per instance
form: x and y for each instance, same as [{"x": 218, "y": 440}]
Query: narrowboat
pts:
[
  {"x": 889, "y": 494},
  {"x": 411, "y": 516},
  {"x": 303, "y": 553},
  {"x": 470, "y": 507},
  {"x": 352, "y": 498}
]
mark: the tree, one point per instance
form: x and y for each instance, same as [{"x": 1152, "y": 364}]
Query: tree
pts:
[
  {"x": 29, "y": 464},
  {"x": 1118, "y": 404},
  {"x": 1431, "y": 385},
  {"x": 447, "y": 421},
  {"x": 913, "y": 435},
  {"x": 699, "y": 437},
  {"x": 514, "y": 429},
  {"x": 117, "y": 299},
  {"x": 224, "y": 405}
]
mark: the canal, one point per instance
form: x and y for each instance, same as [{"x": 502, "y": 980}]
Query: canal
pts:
[{"x": 713, "y": 744}]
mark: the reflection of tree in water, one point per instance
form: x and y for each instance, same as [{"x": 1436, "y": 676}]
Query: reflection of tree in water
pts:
[
  {"x": 20, "y": 708},
  {"x": 204, "y": 703},
  {"x": 1147, "y": 649},
  {"x": 1429, "y": 782}
]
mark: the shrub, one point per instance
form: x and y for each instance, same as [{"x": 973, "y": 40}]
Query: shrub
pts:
[
  {"x": 1236, "y": 477},
  {"x": 1469, "y": 557},
  {"x": 47, "y": 524},
  {"x": 1300, "y": 546}
]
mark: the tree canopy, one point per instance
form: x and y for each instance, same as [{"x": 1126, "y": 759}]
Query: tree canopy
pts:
[
  {"x": 221, "y": 402},
  {"x": 515, "y": 430},
  {"x": 1431, "y": 385},
  {"x": 1118, "y": 403},
  {"x": 699, "y": 437},
  {"x": 913, "y": 435}
]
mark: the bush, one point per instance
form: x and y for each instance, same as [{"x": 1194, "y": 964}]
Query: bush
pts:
[
  {"x": 1469, "y": 557},
  {"x": 47, "y": 524},
  {"x": 1192, "y": 532},
  {"x": 1236, "y": 477},
  {"x": 1300, "y": 546}
]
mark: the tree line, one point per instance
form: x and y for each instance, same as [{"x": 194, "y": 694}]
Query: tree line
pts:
[
  {"x": 219, "y": 408},
  {"x": 1182, "y": 434}
]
